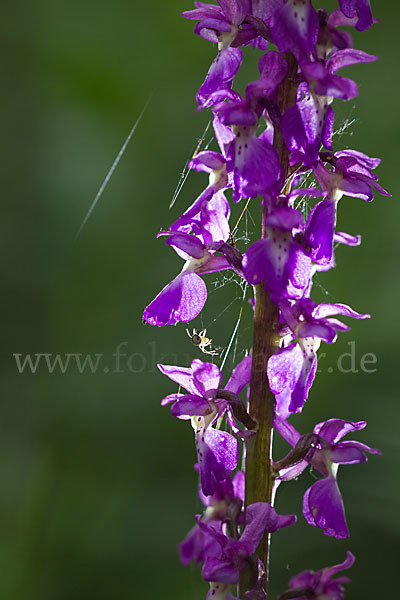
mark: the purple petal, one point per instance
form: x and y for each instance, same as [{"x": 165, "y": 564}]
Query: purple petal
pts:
[
  {"x": 361, "y": 158},
  {"x": 221, "y": 73},
  {"x": 224, "y": 446},
  {"x": 347, "y": 57},
  {"x": 320, "y": 231},
  {"x": 319, "y": 584},
  {"x": 214, "y": 224},
  {"x": 255, "y": 164},
  {"x": 322, "y": 331},
  {"x": 290, "y": 370},
  {"x": 323, "y": 310},
  {"x": 284, "y": 368},
  {"x": 222, "y": 571},
  {"x": 334, "y": 429},
  {"x": 211, "y": 469},
  {"x": 330, "y": 571},
  {"x": 261, "y": 517},
  {"x": 241, "y": 376},
  {"x": 203, "y": 12},
  {"x": 273, "y": 66},
  {"x": 284, "y": 218},
  {"x": 198, "y": 545},
  {"x": 327, "y": 84},
  {"x": 286, "y": 430},
  {"x": 206, "y": 376},
  {"x": 293, "y": 472},
  {"x": 237, "y": 114},
  {"x": 212, "y": 264},
  {"x": 235, "y": 11},
  {"x": 323, "y": 507},
  {"x": 224, "y": 135},
  {"x": 304, "y": 383},
  {"x": 327, "y": 130},
  {"x": 280, "y": 262},
  {"x": 183, "y": 376},
  {"x": 186, "y": 243},
  {"x": 351, "y": 452},
  {"x": 193, "y": 210},
  {"x": 171, "y": 398},
  {"x": 207, "y": 161},
  {"x": 238, "y": 485},
  {"x": 190, "y": 406},
  {"x": 217, "y": 23},
  {"x": 361, "y": 8},
  {"x": 354, "y": 186},
  {"x": 302, "y": 127},
  {"x": 264, "y": 9},
  {"x": 180, "y": 301},
  {"x": 347, "y": 239}
]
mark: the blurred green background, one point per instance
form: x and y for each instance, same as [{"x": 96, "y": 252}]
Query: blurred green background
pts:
[{"x": 96, "y": 480}]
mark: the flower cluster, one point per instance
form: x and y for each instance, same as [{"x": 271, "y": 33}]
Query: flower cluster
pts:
[{"x": 272, "y": 139}]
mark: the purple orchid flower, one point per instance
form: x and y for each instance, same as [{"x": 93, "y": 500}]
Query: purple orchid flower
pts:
[
  {"x": 253, "y": 160},
  {"x": 321, "y": 75},
  {"x": 319, "y": 585},
  {"x": 279, "y": 260},
  {"x": 219, "y": 24},
  {"x": 309, "y": 123},
  {"x": 223, "y": 506},
  {"x": 322, "y": 503},
  {"x": 291, "y": 370},
  {"x": 217, "y": 450},
  {"x": 199, "y": 234},
  {"x": 352, "y": 176},
  {"x": 260, "y": 517}
]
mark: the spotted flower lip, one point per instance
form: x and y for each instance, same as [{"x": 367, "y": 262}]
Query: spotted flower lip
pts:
[
  {"x": 320, "y": 232},
  {"x": 294, "y": 26},
  {"x": 279, "y": 261},
  {"x": 319, "y": 585},
  {"x": 306, "y": 126},
  {"x": 252, "y": 158}
]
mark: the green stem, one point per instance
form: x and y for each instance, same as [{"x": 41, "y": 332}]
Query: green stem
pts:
[{"x": 259, "y": 482}]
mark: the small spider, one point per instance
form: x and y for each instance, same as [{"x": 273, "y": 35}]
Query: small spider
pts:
[{"x": 201, "y": 341}]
